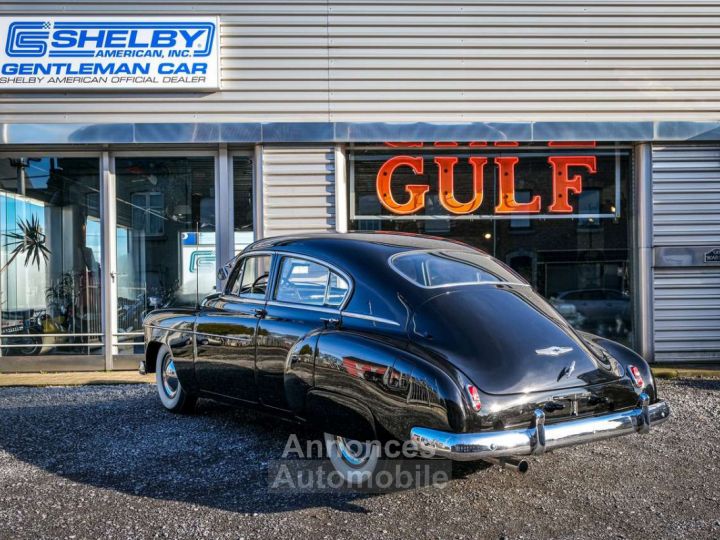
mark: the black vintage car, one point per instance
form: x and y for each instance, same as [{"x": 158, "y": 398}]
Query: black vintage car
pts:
[{"x": 388, "y": 336}]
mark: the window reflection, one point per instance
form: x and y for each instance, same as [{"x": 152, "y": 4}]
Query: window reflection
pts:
[
  {"x": 50, "y": 256},
  {"x": 558, "y": 255},
  {"x": 165, "y": 238},
  {"x": 242, "y": 202}
]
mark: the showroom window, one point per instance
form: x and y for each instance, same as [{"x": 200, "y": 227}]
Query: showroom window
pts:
[
  {"x": 558, "y": 215},
  {"x": 242, "y": 201},
  {"x": 50, "y": 256},
  {"x": 165, "y": 238}
]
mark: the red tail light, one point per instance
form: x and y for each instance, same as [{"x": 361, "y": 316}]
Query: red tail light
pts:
[
  {"x": 636, "y": 377},
  {"x": 474, "y": 397}
]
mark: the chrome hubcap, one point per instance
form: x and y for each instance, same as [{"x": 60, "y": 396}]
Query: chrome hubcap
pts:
[
  {"x": 169, "y": 377},
  {"x": 353, "y": 452}
]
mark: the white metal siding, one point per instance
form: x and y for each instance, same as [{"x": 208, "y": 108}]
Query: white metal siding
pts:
[
  {"x": 298, "y": 189},
  {"x": 687, "y": 314},
  {"x": 686, "y": 195},
  {"x": 421, "y": 61},
  {"x": 686, "y": 212}
]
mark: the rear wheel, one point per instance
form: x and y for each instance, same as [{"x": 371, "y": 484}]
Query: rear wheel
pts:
[
  {"x": 172, "y": 395},
  {"x": 356, "y": 462}
]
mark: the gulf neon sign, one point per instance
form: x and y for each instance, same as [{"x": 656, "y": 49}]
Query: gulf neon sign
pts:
[{"x": 567, "y": 173}]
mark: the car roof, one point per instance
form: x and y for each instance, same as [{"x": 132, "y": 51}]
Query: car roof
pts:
[
  {"x": 362, "y": 256},
  {"x": 402, "y": 241},
  {"x": 337, "y": 247}
]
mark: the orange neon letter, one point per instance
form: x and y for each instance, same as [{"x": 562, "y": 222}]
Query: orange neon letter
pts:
[
  {"x": 417, "y": 191},
  {"x": 446, "y": 176},
  {"x": 562, "y": 185},
  {"x": 506, "y": 197}
]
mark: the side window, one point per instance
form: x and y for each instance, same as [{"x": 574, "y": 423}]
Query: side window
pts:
[
  {"x": 310, "y": 283},
  {"x": 302, "y": 282},
  {"x": 251, "y": 280}
]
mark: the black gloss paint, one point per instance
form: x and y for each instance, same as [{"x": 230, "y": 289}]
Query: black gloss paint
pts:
[{"x": 401, "y": 355}]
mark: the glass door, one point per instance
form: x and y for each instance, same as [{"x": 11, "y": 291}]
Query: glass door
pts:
[{"x": 165, "y": 237}]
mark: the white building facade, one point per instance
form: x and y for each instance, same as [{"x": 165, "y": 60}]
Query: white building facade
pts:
[{"x": 577, "y": 142}]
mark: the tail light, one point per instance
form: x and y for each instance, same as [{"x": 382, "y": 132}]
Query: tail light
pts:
[
  {"x": 474, "y": 397},
  {"x": 636, "y": 376}
]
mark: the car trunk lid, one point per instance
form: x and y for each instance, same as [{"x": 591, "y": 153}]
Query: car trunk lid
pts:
[{"x": 506, "y": 339}]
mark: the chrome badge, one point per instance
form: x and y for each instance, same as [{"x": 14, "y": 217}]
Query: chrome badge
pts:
[{"x": 553, "y": 351}]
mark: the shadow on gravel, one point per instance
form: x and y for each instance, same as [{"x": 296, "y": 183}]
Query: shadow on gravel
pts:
[{"x": 125, "y": 441}]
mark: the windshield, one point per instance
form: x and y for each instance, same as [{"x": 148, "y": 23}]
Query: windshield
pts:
[{"x": 444, "y": 268}]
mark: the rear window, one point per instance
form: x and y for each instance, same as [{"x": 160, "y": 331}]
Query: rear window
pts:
[{"x": 444, "y": 268}]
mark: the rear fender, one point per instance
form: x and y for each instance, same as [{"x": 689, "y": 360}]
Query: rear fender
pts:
[
  {"x": 340, "y": 415},
  {"x": 401, "y": 389},
  {"x": 628, "y": 357}
]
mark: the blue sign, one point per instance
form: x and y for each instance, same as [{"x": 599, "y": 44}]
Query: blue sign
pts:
[{"x": 109, "y": 53}]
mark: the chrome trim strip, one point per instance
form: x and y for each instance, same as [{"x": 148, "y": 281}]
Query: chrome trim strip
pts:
[
  {"x": 236, "y": 337},
  {"x": 372, "y": 318},
  {"x": 348, "y": 132},
  {"x": 321, "y": 309},
  {"x": 244, "y": 300},
  {"x": 539, "y": 437},
  {"x": 196, "y": 333}
]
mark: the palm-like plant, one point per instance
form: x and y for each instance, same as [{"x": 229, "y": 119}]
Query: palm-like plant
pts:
[{"x": 30, "y": 241}]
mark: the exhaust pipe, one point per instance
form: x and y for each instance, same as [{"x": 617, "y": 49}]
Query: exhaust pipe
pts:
[{"x": 518, "y": 465}]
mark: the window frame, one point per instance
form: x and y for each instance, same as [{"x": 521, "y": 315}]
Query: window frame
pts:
[
  {"x": 394, "y": 257},
  {"x": 280, "y": 256},
  {"x": 276, "y": 289},
  {"x": 239, "y": 270}
]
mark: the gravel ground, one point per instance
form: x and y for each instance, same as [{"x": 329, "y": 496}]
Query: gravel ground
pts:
[{"x": 108, "y": 461}]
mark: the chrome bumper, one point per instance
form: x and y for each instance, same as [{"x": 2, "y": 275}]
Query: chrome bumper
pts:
[{"x": 539, "y": 438}]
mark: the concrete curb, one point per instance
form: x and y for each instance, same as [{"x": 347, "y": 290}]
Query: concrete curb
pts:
[
  {"x": 676, "y": 373},
  {"x": 75, "y": 378}
]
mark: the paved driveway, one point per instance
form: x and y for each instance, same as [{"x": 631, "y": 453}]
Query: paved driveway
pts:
[{"x": 108, "y": 461}]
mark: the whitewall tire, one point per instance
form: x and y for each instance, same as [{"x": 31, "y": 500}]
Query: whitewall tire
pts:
[
  {"x": 356, "y": 462},
  {"x": 172, "y": 395}
]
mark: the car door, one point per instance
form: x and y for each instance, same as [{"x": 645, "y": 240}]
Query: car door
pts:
[
  {"x": 306, "y": 299},
  {"x": 226, "y": 330}
]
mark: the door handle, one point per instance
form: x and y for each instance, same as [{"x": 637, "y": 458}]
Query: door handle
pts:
[
  {"x": 330, "y": 322},
  {"x": 260, "y": 313}
]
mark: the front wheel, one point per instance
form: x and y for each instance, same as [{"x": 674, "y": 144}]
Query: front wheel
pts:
[
  {"x": 172, "y": 395},
  {"x": 355, "y": 461}
]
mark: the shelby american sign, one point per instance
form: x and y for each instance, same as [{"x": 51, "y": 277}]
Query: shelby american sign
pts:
[{"x": 110, "y": 53}]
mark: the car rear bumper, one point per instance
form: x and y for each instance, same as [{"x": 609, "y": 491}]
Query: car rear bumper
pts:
[{"x": 539, "y": 438}]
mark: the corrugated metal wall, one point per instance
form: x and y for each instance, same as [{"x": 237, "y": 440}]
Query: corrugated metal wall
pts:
[
  {"x": 687, "y": 314},
  {"x": 421, "y": 60},
  {"x": 298, "y": 190},
  {"x": 686, "y": 212},
  {"x": 686, "y": 195}
]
